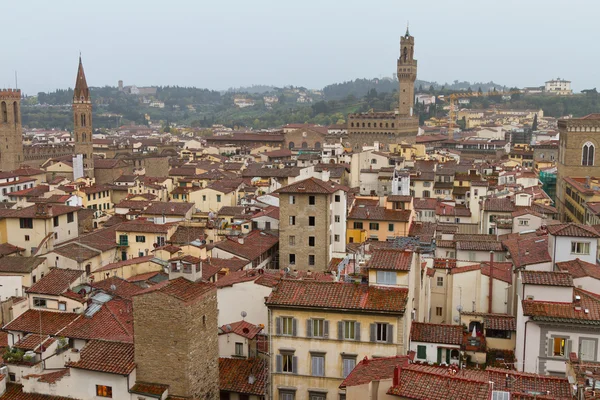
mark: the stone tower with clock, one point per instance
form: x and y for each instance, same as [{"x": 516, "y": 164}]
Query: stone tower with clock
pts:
[{"x": 407, "y": 74}]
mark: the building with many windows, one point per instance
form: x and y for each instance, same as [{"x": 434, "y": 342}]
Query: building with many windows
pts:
[
  {"x": 312, "y": 223},
  {"x": 320, "y": 330}
]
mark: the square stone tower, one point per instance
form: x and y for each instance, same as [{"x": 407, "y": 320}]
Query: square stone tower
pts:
[
  {"x": 82, "y": 122},
  {"x": 11, "y": 133},
  {"x": 176, "y": 337}
]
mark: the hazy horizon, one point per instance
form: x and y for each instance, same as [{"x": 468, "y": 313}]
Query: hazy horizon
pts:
[{"x": 311, "y": 44}]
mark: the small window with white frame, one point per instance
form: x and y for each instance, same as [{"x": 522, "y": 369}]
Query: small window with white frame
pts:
[{"x": 580, "y": 247}]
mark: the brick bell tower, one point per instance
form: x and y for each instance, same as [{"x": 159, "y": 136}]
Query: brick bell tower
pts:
[
  {"x": 82, "y": 122},
  {"x": 11, "y": 133},
  {"x": 407, "y": 74}
]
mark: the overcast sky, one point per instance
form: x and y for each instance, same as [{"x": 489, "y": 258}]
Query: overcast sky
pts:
[{"x": 312, "y": 43}]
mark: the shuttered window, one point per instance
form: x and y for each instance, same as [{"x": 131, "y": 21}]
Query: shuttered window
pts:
[
  {"x": 348, "y": 364},
  {"x": 587, "y": 349},
  {"x": 317, "y": 362}
]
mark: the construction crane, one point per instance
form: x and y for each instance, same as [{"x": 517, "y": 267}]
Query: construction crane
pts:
[{"x": 454, "y": 107}]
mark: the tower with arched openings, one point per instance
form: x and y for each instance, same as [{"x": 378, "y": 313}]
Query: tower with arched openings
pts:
[
  {"x": 396, "y": 126},
  {"x": 11, "y": 133},
  {"x": 82, "y": 122}
]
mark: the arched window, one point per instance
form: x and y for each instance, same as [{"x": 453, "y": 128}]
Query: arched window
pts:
[
  {"x": 82, "y": 119},
  {"x": 587, "y": 154},
  {"x": 363, "y": 124},
  {"x": 291, "y": 145},
  {"x": 318, "y": 145},
  {"x": 84, "y": 137},
  {"x": 352, "y": 124},
  {"x": 16, "y": 112},
  {"x": 405, "y": 54},
  {"x": 4, "y": 112},
  {"x": 304, "y": 145}
]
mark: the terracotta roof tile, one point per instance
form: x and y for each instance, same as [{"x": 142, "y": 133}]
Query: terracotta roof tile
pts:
[
  {"x": 312, "y": 185},
  {"x": 57, "y": 281},
  {"x": 41, "y": 322},
  {"x": 436, "y": 333},
  {"x": 113, "y": 321},
  {"x": 234, "y": 374},
  {"x": 502, "y": 322},
  {"x": 391, "y": 259},
  {"x": 546, "y": 278},
  {"x": 109, "y": 357},
  {"x": 181, "y": 289},
  {"x": 579, "y": 268},
  {"x": 20, "y": 264},
  {"x": 153, "y": 389},
  {"x": 168, "y": 208},
  {"x": 527, "y": 251},
  {"x": 122, "y": 288},
  {"x": 33, "y": 342},
  {"x": 555, "y": 311},
  {"x": 242, "y": 328},
  {"x": 375, "y": 369},
  {"x": 254, "y": 244},
  {"x": 119, "y": 264},
  {"x": 377, "y": 213},
  {"x": 498, "y": 205},
  {"x": 51, "y": 377},
  {"x": 479, "y": 246},
  {"x": 572, "y": 229},
  {"x": 15, "y": 392},
  {"x": 337, "y": 295}
]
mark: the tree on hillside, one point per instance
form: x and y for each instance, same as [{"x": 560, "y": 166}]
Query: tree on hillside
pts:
[{"x": 534, "y": 124}]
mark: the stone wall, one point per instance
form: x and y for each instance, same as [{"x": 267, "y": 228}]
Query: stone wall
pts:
[
  {"x": 176, "y": 344},
  {"x": 301, "y": 231}
]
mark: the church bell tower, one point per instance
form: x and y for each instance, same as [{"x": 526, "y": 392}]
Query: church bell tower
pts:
[
  {"x": 407, "y": 74},
  {"x": 82, "y": 122}
]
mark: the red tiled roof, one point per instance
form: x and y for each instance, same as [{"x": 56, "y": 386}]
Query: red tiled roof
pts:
[
  {"x": 426, "y": 383},
  {"x": 436, "y": 333},
  {"x": 181, "y": 289},
  {"x": 555, "y": 311},
  {"x": 41, "y": 322},
  {"x": 527, "y": 251},
  {"x": 546, "y": 278},
  {"x": 168, "y": 208},
  {"x": 153, "y": 389},
  {"x": 377, "y": 213},
  {"x": 498, "y": 205},
  {"x": 242, "y": 328},
  {"x": 579, "y": 268},
  {"x": 502, "y": 270},
  {"x": 109, "y": 357},
  {"x": 501, "y": 322},
  {"x": 479, "y": 246},
  {"x": 143, "y": 277},
  {"x": 51, "y": 377},
  {"x": 122, "y": 288},
  {"x": 338, "y": 295},
  {"x": 113, "y": 321},
  {"x": 56, "y": 282},
  {"x": 375, "y": 369},
  {"x": 119, "y": 264},
  {"x": 572, "y": 229},
  {"x": 254, "y": 245},
  {"x": 313, "y": 186},
  {"x": 15, "y": 392},
  {"x": 234, "y": 376},
  {"x": 33, "y": 342},
  {"x": 391, "y": 259},
  {"x": 143, "y": 226}
]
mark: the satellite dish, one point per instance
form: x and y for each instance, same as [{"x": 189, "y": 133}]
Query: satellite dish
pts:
[
  {"x": 228, "y": 327},
  {"x": 113, "y": 287},
  {"x": 456, "y": 319},
  {"x": 286, "y": 270},
  {"x": 244, "y": 313}
]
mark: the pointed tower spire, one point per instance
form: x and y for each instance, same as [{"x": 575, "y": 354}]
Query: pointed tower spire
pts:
[
  {"x": 407, "y": 32},
  {"x": 81, "y": 92}
]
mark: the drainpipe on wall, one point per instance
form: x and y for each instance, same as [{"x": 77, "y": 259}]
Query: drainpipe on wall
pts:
[{"x": 491, "y": 284}]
